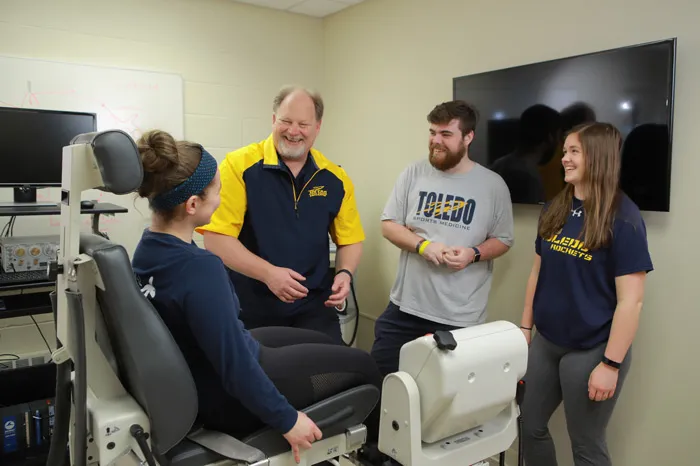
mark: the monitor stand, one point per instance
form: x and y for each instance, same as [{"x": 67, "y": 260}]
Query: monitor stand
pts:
[{"x": 26, "y": 196}]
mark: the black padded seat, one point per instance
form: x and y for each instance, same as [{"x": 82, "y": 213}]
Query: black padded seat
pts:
[{"x": 153, "y": 370}]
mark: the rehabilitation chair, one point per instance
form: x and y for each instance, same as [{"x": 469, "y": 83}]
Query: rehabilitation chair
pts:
[{"x": 125, "y": 395}]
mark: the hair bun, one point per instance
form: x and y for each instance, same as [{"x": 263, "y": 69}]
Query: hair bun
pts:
[
  {"x": 159, "y": 156},
  {"x": 158, "y": 151}
]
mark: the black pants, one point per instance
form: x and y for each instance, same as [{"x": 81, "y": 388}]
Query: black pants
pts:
[
  {"x": 313, "y": 316},
  {"x": 394, "y": 329},
  {"x": 306, "y": 367}
]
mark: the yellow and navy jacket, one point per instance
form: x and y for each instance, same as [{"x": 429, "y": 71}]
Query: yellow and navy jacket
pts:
[{"x": 283, "y": 220}]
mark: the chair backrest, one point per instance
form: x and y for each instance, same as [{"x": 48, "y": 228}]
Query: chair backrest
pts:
[{"x": 150, "y": 364}]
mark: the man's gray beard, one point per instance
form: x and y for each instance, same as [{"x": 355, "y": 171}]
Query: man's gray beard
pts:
[{"x": 288, "y": 153}]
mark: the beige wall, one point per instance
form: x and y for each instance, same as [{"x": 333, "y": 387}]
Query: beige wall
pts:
[
  {"x": 383, "y": 65},
  {"x": 388, "y": 62},
  {"x": 232, "y": 58}
]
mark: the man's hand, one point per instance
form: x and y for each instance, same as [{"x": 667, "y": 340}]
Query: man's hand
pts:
[
  {"x": 340, "y": 289},
  {"x": 284, "y": 283},
  {"x": 303, "y": 434},
  {"x": 459, "y": 257},
  {"x": 602, "y": 382},
  {"x": 434, "y": 253}
]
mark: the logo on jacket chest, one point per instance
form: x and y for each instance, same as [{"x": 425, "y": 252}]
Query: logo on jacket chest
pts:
[
  {"x": 317, "y": 191},
  {"x": 445, "y": 209}
]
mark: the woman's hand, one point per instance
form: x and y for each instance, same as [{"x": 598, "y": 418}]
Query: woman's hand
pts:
[
  {"x": 528, "y": 335},
  {"x": 602, "y": 382},
  {"x": 302, "y": 435}
]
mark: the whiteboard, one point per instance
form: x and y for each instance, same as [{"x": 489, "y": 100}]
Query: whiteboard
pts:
[{"x": 131, "y": 100}]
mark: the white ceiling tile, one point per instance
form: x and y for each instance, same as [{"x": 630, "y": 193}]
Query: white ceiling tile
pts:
[
  {"x": 318, "y": 8},
  {"x": 277, "y": 4}
]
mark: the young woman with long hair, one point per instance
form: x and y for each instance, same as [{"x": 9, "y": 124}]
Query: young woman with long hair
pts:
[{"x": 584, "y": 297}]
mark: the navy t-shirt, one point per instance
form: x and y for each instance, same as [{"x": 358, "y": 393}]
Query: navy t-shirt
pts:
[
  {"x": 576, "y": 297},
  {"x": 191, "y": 290}
]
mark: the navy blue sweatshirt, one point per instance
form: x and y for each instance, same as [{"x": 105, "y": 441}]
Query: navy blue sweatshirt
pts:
[{"x": 191, "y": 290}]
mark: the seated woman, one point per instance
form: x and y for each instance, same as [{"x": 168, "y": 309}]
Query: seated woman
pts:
[{"x": 245, "y": 381}]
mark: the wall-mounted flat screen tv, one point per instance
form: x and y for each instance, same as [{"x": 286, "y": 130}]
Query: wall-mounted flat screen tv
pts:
[{"x": 526, "y": 111}]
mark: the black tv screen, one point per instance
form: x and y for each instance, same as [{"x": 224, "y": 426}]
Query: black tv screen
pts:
[{"x": 525, "y": 112}]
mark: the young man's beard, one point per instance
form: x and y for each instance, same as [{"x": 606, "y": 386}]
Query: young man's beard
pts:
[{"x": 449, "y": 159}]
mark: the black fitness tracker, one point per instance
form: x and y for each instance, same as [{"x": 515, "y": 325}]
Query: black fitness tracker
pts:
[
  {"x": 418, "y": 246},
  {"x": 477, "y": 255},
  {"x": 611, "y": 363}
]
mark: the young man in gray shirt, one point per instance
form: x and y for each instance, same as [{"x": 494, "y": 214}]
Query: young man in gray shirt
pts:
[{"x": 451, "y": 217}]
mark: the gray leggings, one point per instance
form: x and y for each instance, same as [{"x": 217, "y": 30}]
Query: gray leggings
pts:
[{"x": 556, "y": 374}]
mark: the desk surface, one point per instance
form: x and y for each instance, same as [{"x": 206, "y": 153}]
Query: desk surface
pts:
[
  {"x": 26, "y": 285},
  {"x": 98, "y": 208}
]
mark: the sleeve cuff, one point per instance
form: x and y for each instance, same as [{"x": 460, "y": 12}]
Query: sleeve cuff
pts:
[
  {"x": 391, "y": 218},
  {"x": 350, "y": 240},
  {"x": 287, "y": 420},
  {"x": 222, "y": 230}
]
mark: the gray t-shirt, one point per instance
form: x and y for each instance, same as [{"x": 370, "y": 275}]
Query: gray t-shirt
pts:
[{"x": 457, "y": 210}]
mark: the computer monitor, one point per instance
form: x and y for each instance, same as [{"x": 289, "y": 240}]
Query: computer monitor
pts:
[{"x": 31, "y": 147}]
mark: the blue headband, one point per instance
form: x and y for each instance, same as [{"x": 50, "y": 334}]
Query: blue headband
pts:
[{"x": 195, "y": 184}]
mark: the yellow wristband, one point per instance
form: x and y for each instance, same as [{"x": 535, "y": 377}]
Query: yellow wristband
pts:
[{"x": 423, "y": 246}]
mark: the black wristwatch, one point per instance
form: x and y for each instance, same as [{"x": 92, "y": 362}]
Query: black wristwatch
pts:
[
  {"x": 477, "y": 254},
  {"x": 611, "y": 363}
]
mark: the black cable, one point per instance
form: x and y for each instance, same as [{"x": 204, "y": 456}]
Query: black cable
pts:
[
  {"x": 520, "y": 440},
  {"x": 41, "y": 333},
  {"x": 519, "y": 396},
  {"x": 138, "y": 433},
  {"x": 6, "y": 229},
  {"x": 7, "y": 357},
  {"x": 357, "y": 314}
]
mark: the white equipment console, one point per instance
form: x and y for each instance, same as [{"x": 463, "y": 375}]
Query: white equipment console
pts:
[
  {"x": 28, "y": 253},
  {"x": 454, "y": 399}
]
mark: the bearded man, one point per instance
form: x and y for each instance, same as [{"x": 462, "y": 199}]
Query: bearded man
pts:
[{"x": 450, "y": 217}]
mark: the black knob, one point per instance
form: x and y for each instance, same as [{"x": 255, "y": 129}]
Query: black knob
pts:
[
  {"x": 53, "y": 270},
  {"x": 445, "y": 340}
]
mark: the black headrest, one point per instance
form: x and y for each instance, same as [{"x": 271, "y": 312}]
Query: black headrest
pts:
[
  {"x": 118, "y": 159},
  {"x": 150, "y": 364}
]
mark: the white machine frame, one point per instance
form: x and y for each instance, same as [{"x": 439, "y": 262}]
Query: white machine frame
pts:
[{"x": 478, "y": 378}]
